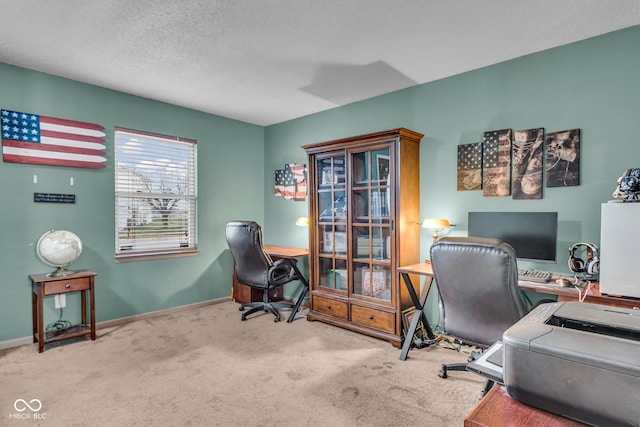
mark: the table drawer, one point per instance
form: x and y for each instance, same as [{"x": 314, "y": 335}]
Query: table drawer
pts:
[
  {"x": 330, "y": 306},
  {"x": 66, "y": 285},
  {"x": 374, "y": 318}
]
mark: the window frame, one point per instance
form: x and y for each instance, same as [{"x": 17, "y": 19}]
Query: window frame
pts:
[{"x": 189, "y": 198}]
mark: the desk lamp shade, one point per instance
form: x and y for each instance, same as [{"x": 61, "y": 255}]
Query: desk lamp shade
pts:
[
  {"x": 303, "y": 221},
  {"x": 437, "y": 226}
]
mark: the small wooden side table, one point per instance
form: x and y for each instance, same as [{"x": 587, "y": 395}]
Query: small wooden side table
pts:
[{"x": 42, "y": 285}]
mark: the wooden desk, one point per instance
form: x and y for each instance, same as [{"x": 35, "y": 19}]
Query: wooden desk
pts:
[
  {"x": 244, "y": 294},
  {"x": 285, "y": 251},
  {"x": 498, "y": 409},
  {"x": 42, "y": 285},
  {"x": 571, "y": 294},
  {"x": 421, "y": 269}
]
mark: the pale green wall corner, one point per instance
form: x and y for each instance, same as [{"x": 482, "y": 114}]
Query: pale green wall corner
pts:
[
  {"x": 230, "y": 164},
  {"x": 592, "y": 85}
]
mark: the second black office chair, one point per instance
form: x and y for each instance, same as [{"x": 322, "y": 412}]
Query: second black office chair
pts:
[
  {"x": 477, "y": 280},
  {"x": 255, "y": 268}
]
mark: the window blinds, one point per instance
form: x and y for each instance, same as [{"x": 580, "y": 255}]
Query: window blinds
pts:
[{"x": 155, "y": 193}]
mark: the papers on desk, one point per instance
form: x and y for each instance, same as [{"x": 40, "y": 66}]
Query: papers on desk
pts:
[{"x": 489, "y": 364}]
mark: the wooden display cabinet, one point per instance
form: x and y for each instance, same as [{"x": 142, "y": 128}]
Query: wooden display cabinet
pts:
[{"x": 364, "y": 223}]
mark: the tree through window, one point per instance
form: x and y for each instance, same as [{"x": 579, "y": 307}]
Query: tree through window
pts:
[{"x": 155, "y": 194}]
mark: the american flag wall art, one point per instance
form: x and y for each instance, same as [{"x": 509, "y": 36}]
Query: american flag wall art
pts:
[
  {"x": 470, "y": 166},
  {"x": 496, "y": 163},
  {"x": 291, "y": 182},
  {"x": 42, "y": 140}
]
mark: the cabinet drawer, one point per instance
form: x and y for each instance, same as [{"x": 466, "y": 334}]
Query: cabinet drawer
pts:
[
  {"x": 330, "y": 306},
  {"x": 374, "y": 318},
  {"x": 66, "y": 285}
]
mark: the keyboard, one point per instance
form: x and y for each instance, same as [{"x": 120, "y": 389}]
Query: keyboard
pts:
[{"x": 534, "y": 276}]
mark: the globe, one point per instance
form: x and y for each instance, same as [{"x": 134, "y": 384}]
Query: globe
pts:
[{"x": 59, "y": 248}]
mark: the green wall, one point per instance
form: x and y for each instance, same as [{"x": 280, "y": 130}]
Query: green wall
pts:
[
  {"x": 591, "y": 85},
  {"x": 230, "y": 163}
]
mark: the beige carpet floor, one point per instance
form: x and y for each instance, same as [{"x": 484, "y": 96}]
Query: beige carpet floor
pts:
[{"x": 204, "y": 367}]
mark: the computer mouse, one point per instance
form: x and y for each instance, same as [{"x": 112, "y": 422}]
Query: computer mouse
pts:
[{"x": 562, "y": 281}]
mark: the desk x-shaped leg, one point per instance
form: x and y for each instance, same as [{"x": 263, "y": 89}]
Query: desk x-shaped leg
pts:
[
  {"x": 419, "y": 314},
  {"x": 301, "y": 296}
]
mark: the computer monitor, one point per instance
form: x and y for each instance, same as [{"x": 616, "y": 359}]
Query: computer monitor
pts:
[{"x": 533, "y": 235}]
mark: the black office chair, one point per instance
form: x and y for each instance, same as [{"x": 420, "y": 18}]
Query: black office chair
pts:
[
  {"x": 477, "y": 280},
  {"x": 255, "y": 268}
]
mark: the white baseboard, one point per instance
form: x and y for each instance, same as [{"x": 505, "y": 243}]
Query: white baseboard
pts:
[
  {"x": 17, "y": 342},
  {"x": 124, "y": 320}
]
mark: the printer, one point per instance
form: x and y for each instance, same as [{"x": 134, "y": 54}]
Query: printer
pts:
[{"x": 578, "y": 360}]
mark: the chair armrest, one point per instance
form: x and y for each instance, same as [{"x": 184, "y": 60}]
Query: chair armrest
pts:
[{"x": 281, "y": 272}]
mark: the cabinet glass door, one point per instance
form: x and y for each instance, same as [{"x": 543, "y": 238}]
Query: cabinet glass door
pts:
[
  {"x": 371, "y": 205},
  {"x": 332, "y": 223}
]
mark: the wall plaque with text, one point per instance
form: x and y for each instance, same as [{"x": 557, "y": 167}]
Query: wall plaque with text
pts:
[{"x": 54, "y": 198}]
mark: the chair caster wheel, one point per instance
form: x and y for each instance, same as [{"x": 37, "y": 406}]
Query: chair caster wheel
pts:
[
  {"x": 241, "y": 309},
  {"x": 443, "y": 372},
  {"x": 243, "y": 318}
]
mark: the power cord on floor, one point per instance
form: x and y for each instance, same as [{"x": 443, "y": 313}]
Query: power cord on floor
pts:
[
  {"x": 444, "y": 340},
  {"x": 58, "y": 325},
  {"x": 448, "y": 342}
]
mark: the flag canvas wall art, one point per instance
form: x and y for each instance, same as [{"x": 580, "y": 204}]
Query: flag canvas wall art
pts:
[
  {"x": 43, "y": 140},
  {"x": 291, "y": 182},
  {"x": 496, "y": 163},
  {"x": 470, "y": 166}
]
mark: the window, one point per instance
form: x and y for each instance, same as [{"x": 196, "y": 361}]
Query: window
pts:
[{"x": 155, "y": 184}]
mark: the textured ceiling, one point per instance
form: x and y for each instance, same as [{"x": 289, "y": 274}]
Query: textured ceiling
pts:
[{"x": 265, "y": 62}]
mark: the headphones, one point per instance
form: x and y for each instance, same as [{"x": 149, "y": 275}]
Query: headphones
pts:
[{"x": 578, "y": 265}]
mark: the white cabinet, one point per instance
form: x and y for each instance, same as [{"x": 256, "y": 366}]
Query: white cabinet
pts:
[{"x": 619, "y": 249}]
